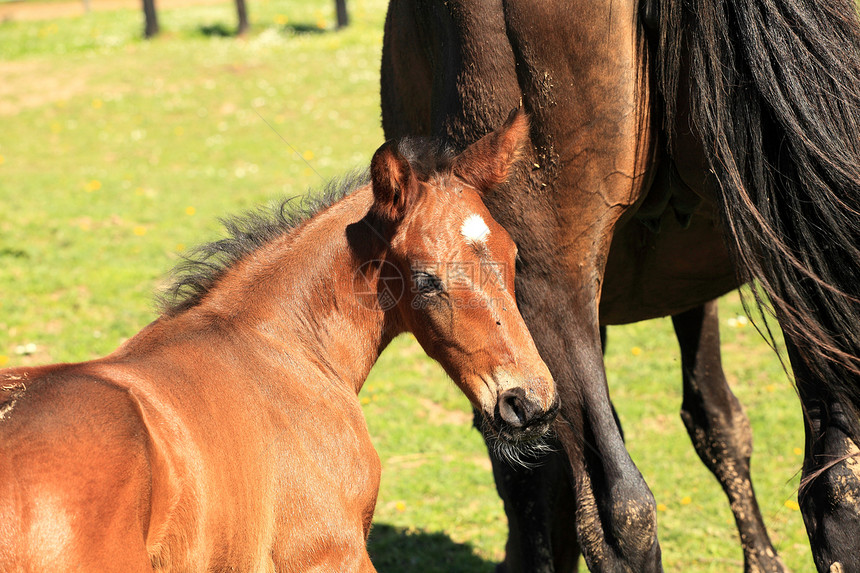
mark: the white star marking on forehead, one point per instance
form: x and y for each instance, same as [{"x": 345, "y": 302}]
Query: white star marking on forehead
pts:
[{"x": 475, "y": 229}]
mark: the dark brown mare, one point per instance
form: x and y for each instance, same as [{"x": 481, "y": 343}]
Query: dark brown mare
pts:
[
  {"x": 678, "y": 148},
  {"x": 227, "y": 435}
]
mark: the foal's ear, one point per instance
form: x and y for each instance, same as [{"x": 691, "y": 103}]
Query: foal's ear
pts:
[
  {"x": 393, "y": 182},
  {"x": 488, "y": 162}
]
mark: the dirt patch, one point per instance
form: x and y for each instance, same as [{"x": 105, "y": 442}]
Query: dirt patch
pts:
[
  {"x": 19, "y": 90},
  {"x": 409, "y": 461},
  {"x": 439, "y": 416},
  {"x": 18, "y": 11},
  {"x": 661, "y": 424},
  {"x": 484, "y": 463}
]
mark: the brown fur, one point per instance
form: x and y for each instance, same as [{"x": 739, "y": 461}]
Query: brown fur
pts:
[{"x": 227, "y": 435}]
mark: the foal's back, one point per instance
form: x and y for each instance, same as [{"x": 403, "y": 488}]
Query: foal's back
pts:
[
  {"x": 67, "y": 437},
  {"x": 147, "y": 460}
]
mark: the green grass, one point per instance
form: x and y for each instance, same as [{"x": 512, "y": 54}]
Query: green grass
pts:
[{"x": 119, "y": 153}]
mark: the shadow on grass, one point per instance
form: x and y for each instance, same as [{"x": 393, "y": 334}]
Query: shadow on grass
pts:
[
  {"x": 304, "y": 29},
  {"x": 221, "y": 30},
  {"x": 218, "y": 30},
  {"x": 396, "y": 550}
]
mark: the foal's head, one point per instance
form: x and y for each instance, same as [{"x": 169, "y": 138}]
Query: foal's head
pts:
[{"x": 458, "y": 269}]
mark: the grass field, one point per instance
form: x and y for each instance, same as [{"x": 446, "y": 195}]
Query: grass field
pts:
[{"x": 117, "y": 154}]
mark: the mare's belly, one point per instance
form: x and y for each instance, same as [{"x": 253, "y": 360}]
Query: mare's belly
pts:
[{"x": 649, "y": 275}]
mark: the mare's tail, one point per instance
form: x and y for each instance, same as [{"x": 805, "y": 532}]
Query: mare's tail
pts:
[{"x": 775, "y": 94}]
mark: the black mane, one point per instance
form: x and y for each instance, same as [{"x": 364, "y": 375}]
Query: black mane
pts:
[{"x": 202, "y": 267}]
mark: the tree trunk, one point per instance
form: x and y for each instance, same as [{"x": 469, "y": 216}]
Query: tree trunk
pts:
[
  {"x": 342, "y": 16},
  {"x": 150, "y": 28},
  {"x": 242, "y": 11}
]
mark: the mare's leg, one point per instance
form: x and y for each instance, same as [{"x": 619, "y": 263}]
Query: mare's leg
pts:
[
  {"x": 720, "y": 430},
  {"x": 586, "y": 167},
  {"x": 830, "y": 487},
  {"x": 539, "y": 505},
  {"x": 587, "y": 495},
  {"x": 611, "y": 405},
  {"x": 614, "y": 519}
]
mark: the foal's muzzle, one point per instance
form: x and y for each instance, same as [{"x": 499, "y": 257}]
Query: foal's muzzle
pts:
[{"x": 519, "y": 417}]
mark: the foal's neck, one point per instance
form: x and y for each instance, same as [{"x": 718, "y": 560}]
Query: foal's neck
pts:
[{"x": 296, "y": 295}]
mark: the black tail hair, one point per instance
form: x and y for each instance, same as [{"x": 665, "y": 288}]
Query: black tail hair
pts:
[{"x": 775, "y": 95}]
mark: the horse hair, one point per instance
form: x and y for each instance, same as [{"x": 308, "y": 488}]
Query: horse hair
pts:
[
  {"x": 202, "y": 267},
  {"x": 426, "y": 155},
  {"x": 775, "y": 95}
]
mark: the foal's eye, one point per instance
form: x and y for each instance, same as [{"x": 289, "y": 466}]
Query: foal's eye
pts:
[{"x": 427, "y": 284}]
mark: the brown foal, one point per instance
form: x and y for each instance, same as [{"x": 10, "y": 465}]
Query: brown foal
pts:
[{"x": 227, "y": 435}]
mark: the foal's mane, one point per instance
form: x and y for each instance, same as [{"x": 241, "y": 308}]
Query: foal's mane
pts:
[{"x": 203, "y": 266}]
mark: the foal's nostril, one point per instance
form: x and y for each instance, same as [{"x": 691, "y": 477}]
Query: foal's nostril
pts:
[{"x": 514, "y": 408}]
